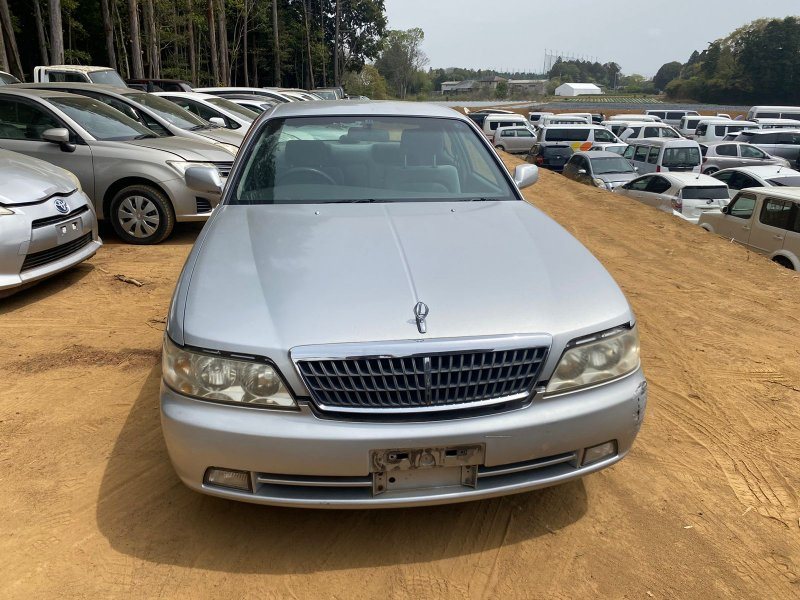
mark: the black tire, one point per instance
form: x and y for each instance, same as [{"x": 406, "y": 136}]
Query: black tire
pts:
[
  {"x": 784, "y": 262},
  {"x": 141, "y": 214}
]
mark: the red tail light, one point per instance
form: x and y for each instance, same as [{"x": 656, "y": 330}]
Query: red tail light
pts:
[
  {"x": 539, "y": 160},
  {"x": 677, "y": 204},
  {"x": 658, "y": 168}
]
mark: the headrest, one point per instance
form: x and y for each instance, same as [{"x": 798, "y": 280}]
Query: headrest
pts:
[
  {"x": 387, "y": 154},
  {"x": 367, "y": 134},
  {"x": 309, "y": 153},
  {"x": 422, "y": 144}
]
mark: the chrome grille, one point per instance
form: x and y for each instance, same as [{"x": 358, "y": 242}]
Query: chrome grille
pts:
[
  {"x": 223, "y": 168},
  {"x": 422, "y": 381},
  {"x": 38, "y": 259}
]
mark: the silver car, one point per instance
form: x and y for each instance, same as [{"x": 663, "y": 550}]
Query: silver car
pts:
[
  {"x": 161, "y": 116},
  {"x": 47, "y": 224},
  {"x": 724, "y": 155},
  {"x": 134, "y": 178},
  {"x": 515, "y": 140},
  {"x": 392, "y": 323},
  {"x": 606, "y": 170}
]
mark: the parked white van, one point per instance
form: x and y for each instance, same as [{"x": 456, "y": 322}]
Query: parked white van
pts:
[
  {"x": 764, "y": 123},
  {"x": 586, "y": 116},
  {"x": 774, "y": 112},
  {"x": 637, "y": 118},
  {"x": 664, "y": 155},
  {"x": 672, "y": 117},
  {"x": 715, "y": 131},
  {"x": 636, "y": 131},
  {"x": 578, "y": 137},
  {"x": 549, "y": 120},
  {"x": 617, "y": 127},
  {"x": 536, "y": 117},
  {"x": 688, "y": 125},
  {"x": 492, "y": 122}
]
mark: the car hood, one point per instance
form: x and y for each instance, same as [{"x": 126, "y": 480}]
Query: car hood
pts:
[
  {"x": 27, "y": 179},
  {"x": 226, "y": 136},
  {"x": 187, "y": 148},
  {"x": 264, "y": 279},
  {"x": 616, "y": 179}
]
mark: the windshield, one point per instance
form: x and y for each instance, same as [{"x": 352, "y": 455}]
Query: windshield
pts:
[
  {"x": 681, "y": 157},
  {"x": 109, "y": 77},
  {"x": 326, "y": 95},
  {"x": 233, "y": 108},
  {"x": 170, "y": 111},
  {"x": 7, "y": 79},
  {"x": 604, "y": 166},
  {"x": 310, "y": 160},
  {"x": 793, "y": 181},
  {"x": 100, "y": 120},
  {"x": 705, "y": 193}
]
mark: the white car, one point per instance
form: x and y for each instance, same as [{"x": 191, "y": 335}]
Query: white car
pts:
[
  {"x": 217, "y": 110},
  {"x": 740, "y": 178},
  {"x": 685, "y": 195},
  {"x": 514, "y": 140},
  {"x": 638, "y": 131}
]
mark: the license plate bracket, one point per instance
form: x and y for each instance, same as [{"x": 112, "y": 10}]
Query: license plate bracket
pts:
[
  {"x": 69, "y": 231},
  {"x": 425, "y": 468}
]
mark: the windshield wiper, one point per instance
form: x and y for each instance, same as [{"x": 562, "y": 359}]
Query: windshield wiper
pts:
[{"x": 358, "y": 201}]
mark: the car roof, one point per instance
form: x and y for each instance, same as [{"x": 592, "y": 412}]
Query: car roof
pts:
[
  {"x": 66, "y": 85},
  {"x": 725, "y": 121},
  {"x": 79, "y": 68},
  {"x": 764, "y": 171},
  {"x": 695, "y": 179},
  {"x": 788, "y": 193},
  {"x": 191, "y": 95},
  {"x": 663, "y": 142},
  {"x": 574, "y": 126},
  {"x": 365, "y": 108},
  {"x": 18, "y": 90}
]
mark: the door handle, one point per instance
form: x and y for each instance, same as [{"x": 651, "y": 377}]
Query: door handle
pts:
[
  {"x": 747, "y": 227},
  {"x": 778, "y": 237}
]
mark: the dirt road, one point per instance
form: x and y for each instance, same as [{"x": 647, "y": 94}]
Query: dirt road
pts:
[{"x": 706, "y": 506}]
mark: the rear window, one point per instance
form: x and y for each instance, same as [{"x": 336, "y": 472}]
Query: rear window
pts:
[
  {"x": 705, "y": 193},
  {"x": 681, "y": 157},
  {"x": 768, "y": 115},
  {"x": 793, "y": 181},
  {"x": 567, "y": 135},
  {"x": 551, "y": 151},
  {"x": 674, "y": 116}
]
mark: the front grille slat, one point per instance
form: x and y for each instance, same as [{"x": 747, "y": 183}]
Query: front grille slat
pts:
[
  {"x": 38, "y": 259},
  {"x": 55, "y": 219},
  {"x": 456, "y": 379}
]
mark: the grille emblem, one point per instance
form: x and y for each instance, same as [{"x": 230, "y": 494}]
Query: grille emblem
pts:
[
  {"x": 421, "y": 311},
  {"x": 61, "y": 205}
]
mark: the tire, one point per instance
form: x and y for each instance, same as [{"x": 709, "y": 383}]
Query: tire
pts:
[
  {"x": 710, "y": 171},
  {"x": 784, "y": 262},
  {"x": 141, "y": 214}
]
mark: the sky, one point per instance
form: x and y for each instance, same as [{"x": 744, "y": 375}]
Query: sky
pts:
[{"x": 512, "y": 35}]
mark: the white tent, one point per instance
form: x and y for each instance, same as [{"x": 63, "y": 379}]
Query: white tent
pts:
[{"x": 577, "y": 89}]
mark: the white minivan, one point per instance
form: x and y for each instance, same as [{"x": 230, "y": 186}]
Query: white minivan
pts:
[
  {"x": 672, "y": 117},
  {"x": 688, "y": 124},
  {"x": 709, "y": 130},
  {"x": 492, "y": 122},
  {"x": 774, "y": 112},
  {"x": 549, "y": 120},
  {"x": 578, "y": 137},
  {"x": 664, "y": 155}
]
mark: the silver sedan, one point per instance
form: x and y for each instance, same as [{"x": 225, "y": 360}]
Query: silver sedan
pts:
[
  {"x": 375, "y": 317},
  {"x": 47, "y": 223}
]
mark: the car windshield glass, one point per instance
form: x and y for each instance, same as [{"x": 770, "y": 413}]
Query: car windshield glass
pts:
[
  {"x": 309, "y": 160},
  {"x": 705, "y": 193},
  {"x": 100, "y": 120},
  {"x": 681, "y": 157},
  {"x": 233, "y": 108},
  {"x": 793, "y": 181},
  {"x": 6, "y": 79},
  {"x": 109, "y": 77},
  {"x": 170, "y": 112},
  {"x": 604, "y": 166}
]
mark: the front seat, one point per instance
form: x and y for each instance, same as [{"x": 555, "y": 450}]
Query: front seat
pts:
[{"x": 422, "y": 169}]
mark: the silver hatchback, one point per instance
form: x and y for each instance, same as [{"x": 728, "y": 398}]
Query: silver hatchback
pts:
[
  {"x": 725, "y": 155},
  {"x": 392, "y": 323}
]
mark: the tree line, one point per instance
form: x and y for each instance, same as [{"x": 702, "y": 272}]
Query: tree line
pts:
[
  {"x": 758, "y": 63},
  {"x": 289, "y": 43}
]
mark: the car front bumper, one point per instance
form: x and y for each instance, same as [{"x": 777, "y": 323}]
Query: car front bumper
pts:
[
  {"x": 189, "y": 205},
  {"x": 300, "y": 459}
]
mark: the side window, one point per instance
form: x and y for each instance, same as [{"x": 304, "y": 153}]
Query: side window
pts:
[
  {"x": 747, "y": 182},
  {"x": 652, "y": 156},
  {"x": 493, "y": 125},
  {"x": 674, "y": 116},
  {"x": 702, "y": 128},
  {"x": 23, "y": 121},
  {"x": 65, "y": 76},
  {"x": 752, "y": 152},
  {"x": 155, "y": 126},
  {"x": 726, "y": 150},
  {"x": 639, "y": 185},
  {"x": 635, "y": 131},
  {"x": 629, "y": 152},
  {"x": 658, "y": 185},
  {"x": 524, "y": 133},
  {"x": 726, "y": 178},
  {"x": 650, "y": 132},
  {"x": 641, "y": 153},
  {"x": 742, "y": 206},
  {"x": 603, "y": 135},
  {"x": 507, "y": 133},
  {"x": 777, "y": 213}
]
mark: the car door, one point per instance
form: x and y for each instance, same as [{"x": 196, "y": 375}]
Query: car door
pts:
[
  {"x": 656, "y": 194},
  {"x": 22, "y": 123},
  {"x": 636, "y": 189},
  {"x": 750, "y": 155},
  {"x": 523, "y": 140},
  {"x": 727, "y": 156},
  {"x": 736, "y": 222},
  {"x": 791, "y": 243},
  {"x": 769, "y": 229}
]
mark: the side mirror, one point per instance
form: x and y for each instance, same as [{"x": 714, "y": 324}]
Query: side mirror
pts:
[
  {"x": 219, "y": 121},
  {"x": 526, "y": 175},
  {"x": 724, "y": 210},
  {"x": 60, "y": 136},
  {"x": 204, "y": 179}
]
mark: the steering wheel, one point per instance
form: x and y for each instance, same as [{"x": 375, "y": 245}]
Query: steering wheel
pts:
[{"x": 301, "y": 175}]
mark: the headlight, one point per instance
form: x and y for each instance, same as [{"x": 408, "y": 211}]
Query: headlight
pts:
[
  {"x": 222, "y": 379},
  {"x": 229, "y": 147},
  {"x": 596, "y": 359},
  {"x": 74, "y": 180},
  {"x": 599, "y": 182},
  {"x": 181, "y": 165},
  {"x": 6, "y": 211}
]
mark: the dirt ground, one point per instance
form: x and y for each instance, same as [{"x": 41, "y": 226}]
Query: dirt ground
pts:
[{"x": 706, "y": 505}]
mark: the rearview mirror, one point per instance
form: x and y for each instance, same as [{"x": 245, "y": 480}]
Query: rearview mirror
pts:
[
  {"x": 60, "y": 136},
  {"x": 204, "y": 179},
  {"x": 218, "y": 121},
  {"x": 526, "y": 175}
]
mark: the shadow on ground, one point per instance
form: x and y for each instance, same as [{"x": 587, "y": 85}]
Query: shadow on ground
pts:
[{"x": 146, "y": 512}]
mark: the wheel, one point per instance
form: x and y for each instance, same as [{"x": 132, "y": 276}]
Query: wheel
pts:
[
  {"x": 301, "y": 175},
  {"x": 784, "y": 262},
  {"x": 142, "y": 214},
  {"x": 710, "y": 170}
]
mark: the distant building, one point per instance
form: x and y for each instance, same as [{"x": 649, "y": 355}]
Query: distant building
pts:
[
  {"x": 491, "y": 82},
  {"x": 527, "y": 86},
  {"x": 449, "y": 86},
  {"x": 578, "y": 89},
  {"x": 459, "y": 87}
]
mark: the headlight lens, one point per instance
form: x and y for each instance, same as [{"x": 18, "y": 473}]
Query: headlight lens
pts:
[
  {"x": 5, "y": 211},
  {"x": 222, "y": 379},
  {"x": 596, "y": 359},
  {"x": 75, "y": 180},
  {"x": 181, "y": 165},
  {"x": 599, "y": 182}
]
